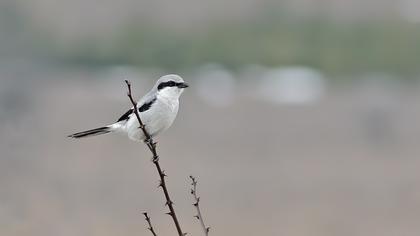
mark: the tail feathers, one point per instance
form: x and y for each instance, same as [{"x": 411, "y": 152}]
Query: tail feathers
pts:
[{"x": 92, "y": 132}]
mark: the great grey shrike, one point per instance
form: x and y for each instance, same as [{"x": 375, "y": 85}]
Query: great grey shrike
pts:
[{"x": 157, "y": 109}]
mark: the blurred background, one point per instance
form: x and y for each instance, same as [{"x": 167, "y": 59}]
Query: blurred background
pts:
[{"x": 301, "y": 119}]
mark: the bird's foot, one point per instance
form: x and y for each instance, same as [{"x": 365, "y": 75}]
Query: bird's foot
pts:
[{"x": 155, "y": 159}]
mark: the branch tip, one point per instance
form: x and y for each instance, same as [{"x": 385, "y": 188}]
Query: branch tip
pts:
[
  {"x": 147, "y": 218},
  {"x": 197, "y": 206}
]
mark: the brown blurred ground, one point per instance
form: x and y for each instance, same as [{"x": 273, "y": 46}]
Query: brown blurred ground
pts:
[{"x": 334, "y": 167}]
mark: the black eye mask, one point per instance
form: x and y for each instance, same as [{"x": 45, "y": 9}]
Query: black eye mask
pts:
[{"x": 171, "y": 84}]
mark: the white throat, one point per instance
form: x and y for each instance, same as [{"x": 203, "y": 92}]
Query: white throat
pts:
[
  {"x": 170, "y": 93},
  {"x": 170, "y": 97}
]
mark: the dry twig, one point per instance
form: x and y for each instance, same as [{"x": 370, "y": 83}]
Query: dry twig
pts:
[
  {"x": 147, "y": 218},
  {"x": 152, "y": 147},
  {"x": 197, "y": 205}
]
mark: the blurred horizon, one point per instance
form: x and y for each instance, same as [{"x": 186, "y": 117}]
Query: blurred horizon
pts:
[{"x": 339, "y": 38}]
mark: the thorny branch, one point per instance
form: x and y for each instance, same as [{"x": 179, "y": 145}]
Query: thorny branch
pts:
[
  {"x": 147, "y": 218},
  {"x": 152, "y": 147},
  {"x": 197, "y": 205}
]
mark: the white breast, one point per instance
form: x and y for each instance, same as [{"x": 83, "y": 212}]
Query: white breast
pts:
[{"x": 158, "y": 118}]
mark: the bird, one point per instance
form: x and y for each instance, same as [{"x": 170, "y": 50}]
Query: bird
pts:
[{"x": 157, "y": 110}]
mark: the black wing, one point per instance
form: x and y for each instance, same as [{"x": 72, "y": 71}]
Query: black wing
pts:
[
  {"x": 126, "y": 115},
  {"x": 143, "y": 108},
  {"x": 147, "y": 105}
]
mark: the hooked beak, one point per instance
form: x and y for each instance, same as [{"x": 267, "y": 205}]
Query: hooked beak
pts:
[{"x": 183, "y": 85}]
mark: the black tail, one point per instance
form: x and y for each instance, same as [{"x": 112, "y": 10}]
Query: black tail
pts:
[{"x": 92, "y": 132}]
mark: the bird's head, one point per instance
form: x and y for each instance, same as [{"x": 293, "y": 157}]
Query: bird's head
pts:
[{"x": 170, "y": 86}]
